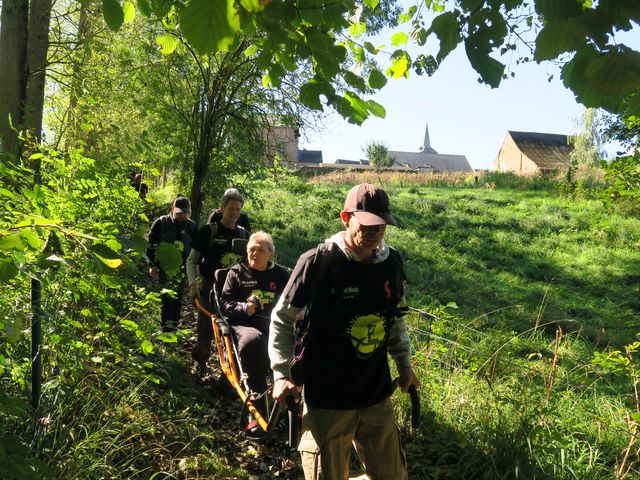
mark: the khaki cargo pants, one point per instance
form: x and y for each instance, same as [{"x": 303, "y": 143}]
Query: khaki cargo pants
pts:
[{"x": 327, "y": 436}]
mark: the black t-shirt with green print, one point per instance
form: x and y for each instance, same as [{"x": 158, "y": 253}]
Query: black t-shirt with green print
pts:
[
  {"x": 216, "y": 249},
  {"x": 350, "y": 314},
  {"x": 242, "y": 282}
]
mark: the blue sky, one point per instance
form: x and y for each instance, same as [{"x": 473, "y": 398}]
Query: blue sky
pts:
[{"x": 464, "y": 116}]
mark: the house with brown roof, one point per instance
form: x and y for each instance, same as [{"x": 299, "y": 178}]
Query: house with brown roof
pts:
[
  {"x": 427, "y": 159},
  {"x": 528, "y": 153}
]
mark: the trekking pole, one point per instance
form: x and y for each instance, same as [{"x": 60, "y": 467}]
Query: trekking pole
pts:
[
  {"x": 415, "y": 403},
  {"x": 293, "y": 410}
]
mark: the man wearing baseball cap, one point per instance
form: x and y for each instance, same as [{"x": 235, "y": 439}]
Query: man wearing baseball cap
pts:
[
  {"x": 176, "y": 229},
  {"x": 352, "y": 288}
]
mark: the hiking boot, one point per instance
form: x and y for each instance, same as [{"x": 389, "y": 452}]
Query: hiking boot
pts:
[{"x": 252, "y": 429}]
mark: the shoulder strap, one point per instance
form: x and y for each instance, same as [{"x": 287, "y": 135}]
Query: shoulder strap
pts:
[
  {"x": 213, "y": 227},
  {"x": 165, "y": 223},
  {"x": 322, "y": 261},
  {"x": 396, "y": 262}
]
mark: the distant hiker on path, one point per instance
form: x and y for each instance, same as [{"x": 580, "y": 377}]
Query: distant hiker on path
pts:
[
  {"x": 352, "y": 287},
  {"x": 178, "y": 230},
  {"x": 139, "y": 186},
  {"x": 212, "y": 249}
]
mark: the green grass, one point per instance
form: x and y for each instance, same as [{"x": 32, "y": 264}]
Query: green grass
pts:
[
  {"x": 531, "y": 256},
  {"x": 519, "y": 289},
  {"x": 515, "y": 265}
]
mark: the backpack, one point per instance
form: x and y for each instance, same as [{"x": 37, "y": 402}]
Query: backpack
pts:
[
  {"x": 214, "y": 231},
  {"x": 243, "y": 221},
  {"x": 166, "y": 225}
]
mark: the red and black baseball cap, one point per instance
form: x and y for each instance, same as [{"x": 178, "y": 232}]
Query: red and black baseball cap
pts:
[{"x": 370, "y": 205}]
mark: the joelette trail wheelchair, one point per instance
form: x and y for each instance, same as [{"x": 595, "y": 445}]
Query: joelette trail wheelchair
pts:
[{"x": 255, "y": 403}]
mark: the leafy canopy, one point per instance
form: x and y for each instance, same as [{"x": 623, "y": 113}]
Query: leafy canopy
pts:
[{"x": 601, "y": 71}]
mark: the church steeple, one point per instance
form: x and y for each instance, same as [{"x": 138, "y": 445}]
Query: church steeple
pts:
[{"x": 426, "y": 144}]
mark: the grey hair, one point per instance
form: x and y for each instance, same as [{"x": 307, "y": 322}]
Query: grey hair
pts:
[
  {"x": 231, "y": 194},
  {"x": 264, "y": 238}
]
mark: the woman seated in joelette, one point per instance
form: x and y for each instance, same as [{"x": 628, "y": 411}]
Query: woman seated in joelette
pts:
[{"x": 250, "y": 292}]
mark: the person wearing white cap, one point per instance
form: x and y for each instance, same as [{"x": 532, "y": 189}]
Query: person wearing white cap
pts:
[{"x": 352, "y": 288}]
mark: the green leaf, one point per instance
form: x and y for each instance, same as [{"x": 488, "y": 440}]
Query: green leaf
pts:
[
  {"x": 376, "y": 79},
  {"x": 310, "y": 93},
  {"x": 6, "y": 193},
  {"x": 129, "y": 12},
  {"x": 408, "y": 15},
  {"x": 447, "y": 29},
  {"x": 107, "y": 256},
  {"x": 144, "y": 7},
  {"x": 12, "y": 406},
  {"x": 161, "y": 7},
  {"x": 129, "y": 325},
  {"x": 146, "y": 346},
  {"x": 355, "y": 81},
  {"x": 8, "y": 270},
  {"x": 11, "y": 242},
  {"x": 168, "y": 337},
  {"x": 357, "y": 29},
  {"x": 399, "y": 38},
  {"x": 113, "y": 14},
  {"x": 36, "y": 156},
  {"x": 575, "y": 76},
  {"x": 616, "y": 72},
  {"x": 559, "y": 36},
  {"x": 377, "y": 109},
  {"x": 326, "y": 55},
  {"x": 490, "y": 69},
  {"x": 167, "y": 43},
  {"x": 370, "y": 48},
  {"x": 372, "y": 4},
  {"x": 251, "y": 51},
  {"x": 209, "y": 25},
  {"x": 253, "y": 5},
  {"x": 555, "y": 9},
  {"x": 32, "y": 240},
  {"x": 471, "y": 5},
  {"x": 359, "y": 106},
  {"x": 401, "y": 64},
  {"x": 169, "y": 258}
]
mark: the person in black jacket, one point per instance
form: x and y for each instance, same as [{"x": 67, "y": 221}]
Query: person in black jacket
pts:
[
  {"x": 250, "y": 292},
  {"x": 176, "y": 229},
  {"x": 212, "y": 249}
]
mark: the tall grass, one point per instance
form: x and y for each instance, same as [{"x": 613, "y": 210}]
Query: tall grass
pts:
[{"x": 519, "y": 287}]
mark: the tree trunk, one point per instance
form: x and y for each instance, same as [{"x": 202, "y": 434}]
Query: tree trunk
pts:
[
  {"x": 13, "y": 71},
  {"x": 38, "y": 46}
]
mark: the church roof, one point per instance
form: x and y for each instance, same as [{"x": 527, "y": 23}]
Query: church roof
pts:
[{"x": 432, "y": 161}]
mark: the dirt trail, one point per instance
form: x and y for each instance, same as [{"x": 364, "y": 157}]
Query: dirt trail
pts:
[{"x": 266, "y": 458}]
